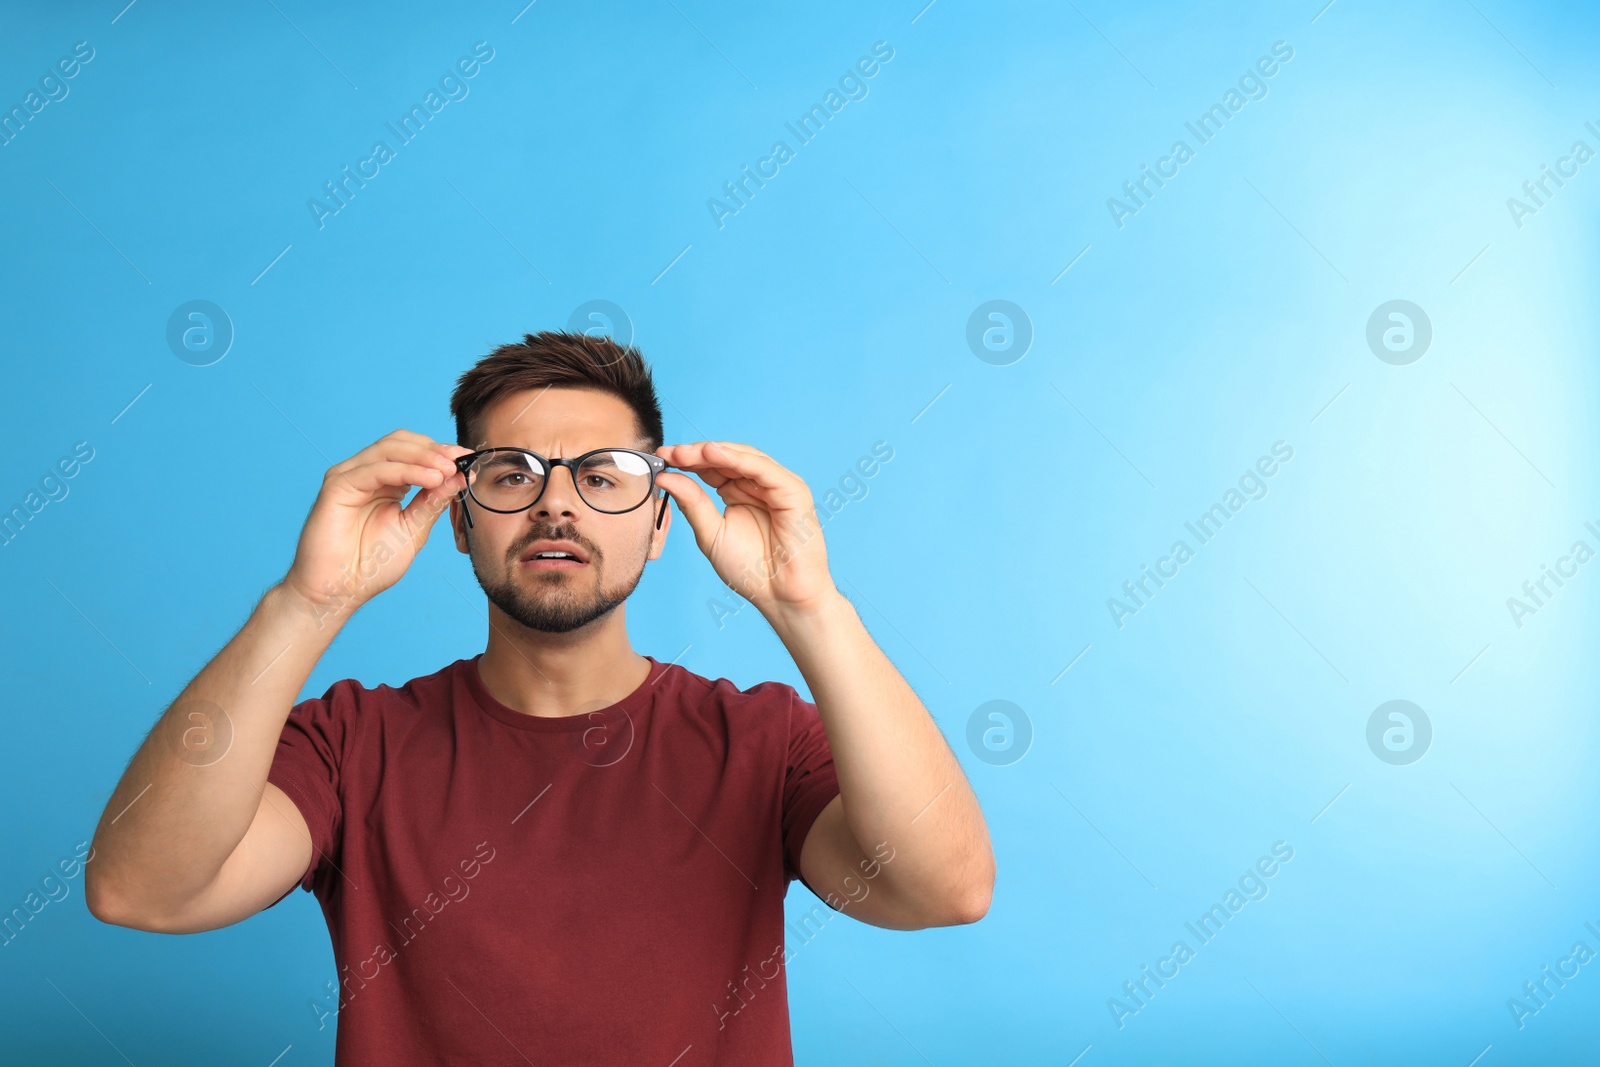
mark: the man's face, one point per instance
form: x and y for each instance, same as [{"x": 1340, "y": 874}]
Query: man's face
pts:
[{"x": 559, "y": 423}]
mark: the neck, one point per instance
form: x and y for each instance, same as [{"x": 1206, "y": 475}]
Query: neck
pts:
[{"x": 552, "y": 675}]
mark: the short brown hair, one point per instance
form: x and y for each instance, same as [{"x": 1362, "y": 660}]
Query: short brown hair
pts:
[{"x": 554, "y": 358}]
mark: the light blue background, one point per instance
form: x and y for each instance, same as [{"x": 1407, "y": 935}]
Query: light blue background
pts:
[{"x": 1228, "y": 314}]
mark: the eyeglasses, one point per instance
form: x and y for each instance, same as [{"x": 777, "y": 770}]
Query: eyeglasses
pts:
[{"x": 610, "y": 480}]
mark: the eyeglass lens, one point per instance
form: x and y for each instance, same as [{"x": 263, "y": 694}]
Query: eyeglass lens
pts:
[{"x": 607, "y": 481}]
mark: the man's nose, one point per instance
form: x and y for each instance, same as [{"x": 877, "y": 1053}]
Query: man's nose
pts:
[{"x": 560, "y": 494}]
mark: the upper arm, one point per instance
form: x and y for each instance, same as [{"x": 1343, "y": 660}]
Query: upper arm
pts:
[
  {"x": 845, "y": 876},
  {"x": 271, "y": 858}
]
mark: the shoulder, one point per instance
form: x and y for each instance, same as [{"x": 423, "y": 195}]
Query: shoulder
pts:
[
  {"x": 350, "y": 695},
  {"x": 764, "y": 697}
]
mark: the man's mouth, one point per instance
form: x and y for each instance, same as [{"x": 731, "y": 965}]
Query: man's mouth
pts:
[
  {"x": 553, "y": 561},
  {"x": 554, "y": 555}
]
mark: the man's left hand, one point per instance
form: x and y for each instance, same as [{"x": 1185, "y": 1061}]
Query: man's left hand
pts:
[{"x": 767, "y": 541}]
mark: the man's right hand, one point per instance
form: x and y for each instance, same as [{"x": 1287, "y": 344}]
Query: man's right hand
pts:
[
  {"x": 358, "y": 541},
  {"x": 215, "y": 840}
]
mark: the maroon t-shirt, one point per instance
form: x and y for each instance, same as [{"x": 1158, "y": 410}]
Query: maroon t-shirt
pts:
[{"x": 603, "y": 888}]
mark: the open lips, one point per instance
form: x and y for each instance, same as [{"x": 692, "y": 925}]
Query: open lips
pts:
[{"x": 554, "y": 555}]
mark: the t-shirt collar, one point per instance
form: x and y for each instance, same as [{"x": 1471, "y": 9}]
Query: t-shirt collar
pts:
[{"x": 467, "y": 669}]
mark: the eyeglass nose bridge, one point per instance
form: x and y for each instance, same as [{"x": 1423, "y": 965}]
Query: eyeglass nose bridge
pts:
[{"x": 655, "y": 463}]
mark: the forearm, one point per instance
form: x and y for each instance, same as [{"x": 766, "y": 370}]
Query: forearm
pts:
[
  {"x": 898, "y": 780},
  {"x": 192, "y": 789}
]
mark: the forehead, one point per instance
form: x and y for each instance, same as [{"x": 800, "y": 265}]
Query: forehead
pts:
[{"x": 560, "y": 420}]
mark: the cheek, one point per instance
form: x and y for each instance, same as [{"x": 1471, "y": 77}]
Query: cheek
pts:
[
  {"x": 626, "y": 552},
  {"x": 491, "y": 538}
]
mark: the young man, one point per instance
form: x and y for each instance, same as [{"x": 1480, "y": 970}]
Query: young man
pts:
[{"x": 558, "y": 851}]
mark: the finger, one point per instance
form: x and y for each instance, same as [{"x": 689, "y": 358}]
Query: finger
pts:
[
  {"x": 744, "y": 478},
  {"x": 728, "y": 484},
  {"x": 748, "y": 450},
  {"x": 424, "y": 451},
  {"x": 386, "y": 448},
  {"x": 725, "y": 479},
  {"x": 717, "y": 456},
  {"x": 426, "y": 507},
  {"x": 738, "y": 491},
  {"x": 382, "y": 447},
  {"x": 402, "y": 451},
  {"x": 410, "y": 436},
  {"x": 731, "y": 445},
  {"x": 693, "y": 501},
  {"x": 743, "y": 491},
  {"x": 378, "y": 478},
  {"x": 733, "y": 493}
]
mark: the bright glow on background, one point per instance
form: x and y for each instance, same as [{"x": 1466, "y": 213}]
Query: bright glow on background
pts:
[{"x": 830, "y": 312}]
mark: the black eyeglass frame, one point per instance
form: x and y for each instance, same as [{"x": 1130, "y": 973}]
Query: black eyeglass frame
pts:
[{"x": 655, "y": 463}]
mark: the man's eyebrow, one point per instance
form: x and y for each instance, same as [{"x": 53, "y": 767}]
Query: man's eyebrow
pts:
[
  {"x": 507, "y": 459},
  {"x": 601, "y": 458}
]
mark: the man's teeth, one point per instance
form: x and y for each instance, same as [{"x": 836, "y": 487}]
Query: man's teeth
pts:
[{"x": 554, "y": 555}]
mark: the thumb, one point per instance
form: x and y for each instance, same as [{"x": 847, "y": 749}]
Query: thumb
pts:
[
  {"x": 693, "y": 501},
  {"x": 429, "y": 503}
]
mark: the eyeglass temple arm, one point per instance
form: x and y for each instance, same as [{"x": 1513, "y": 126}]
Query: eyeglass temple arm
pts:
[{"x": 462, "y": 463}]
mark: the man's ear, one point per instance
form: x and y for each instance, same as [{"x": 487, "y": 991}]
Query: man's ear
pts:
[
  {"x": 458, "y": 525},
  {"x": 658, "y": 538}
]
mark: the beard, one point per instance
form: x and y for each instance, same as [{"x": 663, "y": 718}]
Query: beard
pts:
[{"x": 552, "y": 603}]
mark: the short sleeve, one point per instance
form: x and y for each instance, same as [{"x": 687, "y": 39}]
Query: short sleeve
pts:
[
  {"x": 306, "y": 766},
  {"x": 809, "y": 781}
]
